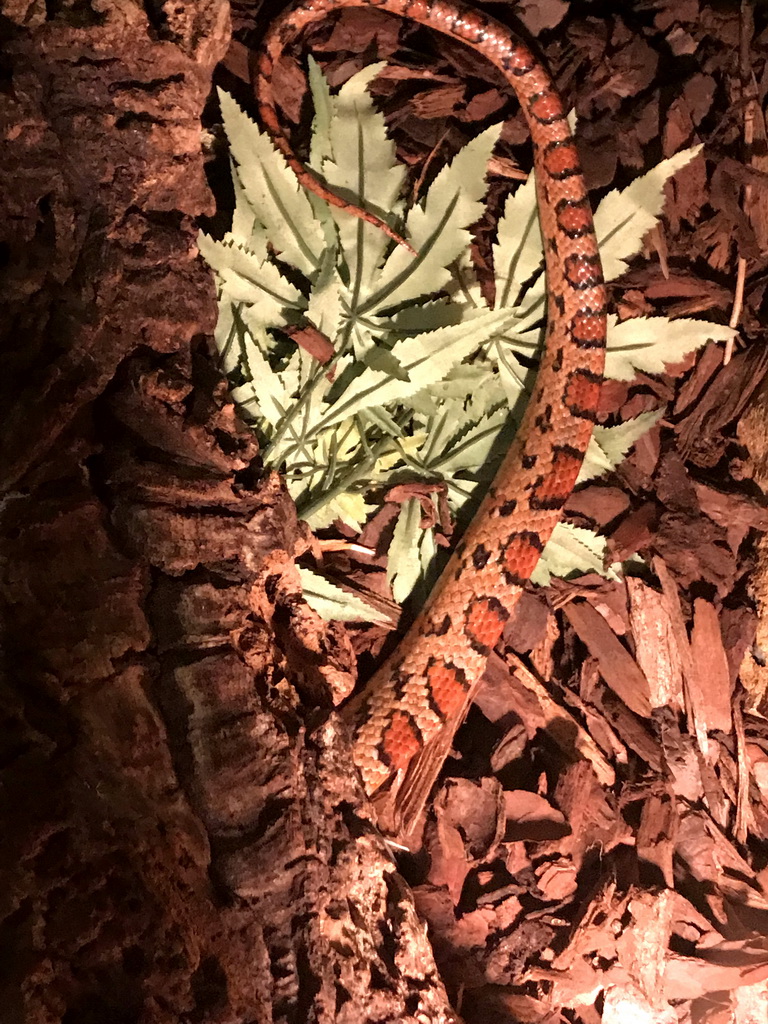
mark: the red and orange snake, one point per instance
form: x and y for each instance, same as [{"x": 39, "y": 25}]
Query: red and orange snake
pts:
[{"x": 405, "y": 718}]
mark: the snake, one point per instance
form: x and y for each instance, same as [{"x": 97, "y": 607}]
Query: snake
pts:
[{"x": 404, "y": 719}]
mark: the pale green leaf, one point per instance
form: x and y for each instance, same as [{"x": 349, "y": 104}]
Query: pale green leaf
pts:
[
  {"x": 263, "y": 389},
  {"x": 438, "y": 229},
  {"x": 377, "y": 173},
  {"x": 489, "y": 395},
  {"x": 298, "y": 372},
  {"x": 272, "y": 190},
  {"x": 299, "y": 488},
  {"x": 378, "y": 417},
  {"x": 248, "y": 277},
  {"x": 296, "y": 439},
  {"x": 515, "y": 378},
  {"x": 474, "y": 383},
  {"x": 609, "y": 445},
  {"x": 236, "y": 322},
  {"x": 363, "y": 166},
  {"x": 332, "y": 603},
  {"x": 474, "y": 447},
  {"x": 349, "y": 508},
  {"x": 361, "y": 335},
  {"x": 463, "y": 380},
  {"x": 410, "y": 551},
  {"x": 518, "y": 250},
  {"x": 457, "y": 444},
  {"x": 382, "y": 360},
  {"x": 247, "y": 229},
  {"x": 571, "y": 550},
  {"x": 324, "y": 466},
  {"x": 228, "y": 336},
  {"x": 650, "y": 343},
  {"x": 424, "y": 316},
  {"x": 425, "y": 358},
  {"x": 320, "y": 146},
  {"x": 449, "y": 419},
  {"x": 533, "y": 308},
  {"x": 624, "y": 217},
  {"x": 352, "y": 509},
  {"x": 464, "y": 288},
  {"x": 327, "y": 302}
]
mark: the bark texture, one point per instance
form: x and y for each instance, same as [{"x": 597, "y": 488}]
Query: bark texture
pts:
[{"x": 182, "y": 836}]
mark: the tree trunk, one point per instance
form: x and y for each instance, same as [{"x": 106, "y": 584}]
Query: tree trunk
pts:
[{"x": 183, "y": 839}]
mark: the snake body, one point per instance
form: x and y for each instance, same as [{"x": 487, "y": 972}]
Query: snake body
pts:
[{"x": 417, "y": 698}]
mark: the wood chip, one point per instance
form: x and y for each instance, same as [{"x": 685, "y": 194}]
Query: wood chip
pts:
[
  {"x": 617, "y": 666},
  {"x": 655, "y": 646},
  {"x": 710, "y": 667}
]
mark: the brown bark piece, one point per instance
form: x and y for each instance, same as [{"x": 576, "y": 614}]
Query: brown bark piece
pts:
[
  {"x": 590, "y": 812},
  {"x": 634, "y": 533},
  {"x": 469, "y": 823},
  {"x": 710, "y": 855},
  {"x": 617, "y": 666},
  {"x": 695, "y": 549},
  {"x": 695, "y": 705},
  {"x": 532, "y": 818},
  {"x": 656, "y": 649},
  {"x": 724, "y": 401},
  {"x": 657, "y": 833},
  {"x": 528, "y": 625},
  {"x": 737, "y": 513},
  {"x": 525, "y": 695},
  {"x": 71, "y": 140},
  {"x": 706, "y": 367},
  {"x": 634, "y": 732},
  {"x": 599, "y": 504},
  {"x": 752, "y": 432},
  {"x": 359, "y": 28},
  {"x": 438, "y": 102},
  {"x": 710, "y": 667}
]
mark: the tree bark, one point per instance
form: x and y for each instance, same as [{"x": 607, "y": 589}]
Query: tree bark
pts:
[{"x": 183, "y": 838}]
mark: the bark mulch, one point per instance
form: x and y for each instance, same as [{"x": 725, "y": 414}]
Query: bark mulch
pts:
[
  {"x": 183, "y": 839},
  {"x": 598, "y": 842}
]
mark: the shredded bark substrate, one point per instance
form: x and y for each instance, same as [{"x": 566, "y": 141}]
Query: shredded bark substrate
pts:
[
  {"x": 598, "y": 843},
  {"x": 183, "y": 838}
]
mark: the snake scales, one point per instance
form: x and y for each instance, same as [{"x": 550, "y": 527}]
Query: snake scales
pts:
[{"x": 406, "y": 716}]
